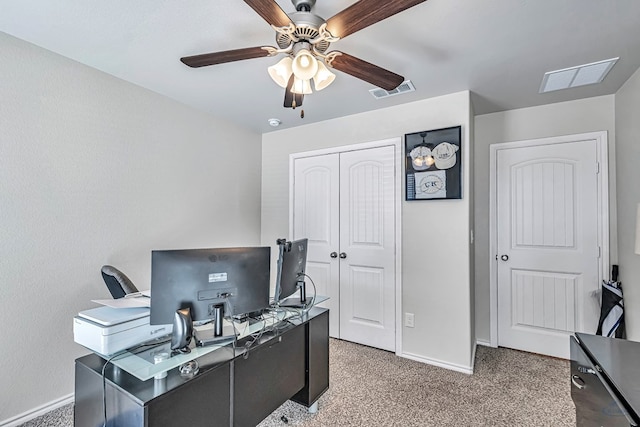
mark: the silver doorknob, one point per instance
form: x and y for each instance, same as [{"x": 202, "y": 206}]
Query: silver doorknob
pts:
[
  {"x": 333, "y": 254},
  {"x": 343, "y": 255},
  {"x": 505, "y": 257}
]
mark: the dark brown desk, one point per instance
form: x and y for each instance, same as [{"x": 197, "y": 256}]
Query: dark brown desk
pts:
[
  {"x": 605, "y": 381},
  {"x": 234, "y": 387}
]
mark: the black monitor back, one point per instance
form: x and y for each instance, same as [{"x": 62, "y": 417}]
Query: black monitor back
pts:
[
  {"x": 201, "y": 279},
  {"x": 292, "y": 263}
]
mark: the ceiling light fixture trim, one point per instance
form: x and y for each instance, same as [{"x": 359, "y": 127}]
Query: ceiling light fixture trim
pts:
[{"x": 304, "y": 42}]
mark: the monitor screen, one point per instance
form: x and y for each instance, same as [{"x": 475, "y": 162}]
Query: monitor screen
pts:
[
  {"x": 292, "y": 262},
  {"x": 201, "y": 279}
]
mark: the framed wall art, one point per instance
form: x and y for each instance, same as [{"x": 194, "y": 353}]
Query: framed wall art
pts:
[{"x": 433, "y": 164}]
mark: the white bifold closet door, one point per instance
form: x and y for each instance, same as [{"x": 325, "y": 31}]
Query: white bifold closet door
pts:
[{"x": 344, "y": 204}]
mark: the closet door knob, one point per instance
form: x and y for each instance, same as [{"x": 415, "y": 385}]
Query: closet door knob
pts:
[
  {"x": 333, "y": 254},
  {"x": 343, "y": 255}
]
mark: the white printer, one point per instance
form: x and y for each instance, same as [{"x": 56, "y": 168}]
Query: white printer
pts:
[{"x": 107, "y": 330}]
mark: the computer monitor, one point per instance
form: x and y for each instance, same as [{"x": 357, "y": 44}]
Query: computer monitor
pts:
[
  {"x": 292, "y": 262},
  {"x": 211, "y": 282}
]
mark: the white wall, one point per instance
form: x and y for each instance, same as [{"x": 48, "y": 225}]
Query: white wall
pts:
[
  {"x": 586, "y": 115},
  {"x": 628, "y": 179},
  {"x": 97, "y": 171},
  {"x": 436, "y": 272}
]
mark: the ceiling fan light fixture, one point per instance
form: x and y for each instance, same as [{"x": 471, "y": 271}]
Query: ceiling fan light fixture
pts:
[
  {"x": 304, "y": 37},
  {"x": 300, "y": 86},
  {"x": 304, "y": 65},
  {"x": 323, "y": 77},
  {"x": 281, "y": 71}
]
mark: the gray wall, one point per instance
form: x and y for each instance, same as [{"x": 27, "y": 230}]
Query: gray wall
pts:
[
  {"x": 94, "y": 170},
  {"x": 586, "y": 115},
  {"x": 436, "y": 270},
  {"x": 628, "y": 178}
]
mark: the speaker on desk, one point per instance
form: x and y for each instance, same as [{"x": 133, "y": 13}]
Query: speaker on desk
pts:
[{"x": 182, "y": 331}]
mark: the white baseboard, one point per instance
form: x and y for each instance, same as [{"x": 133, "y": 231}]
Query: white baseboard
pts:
[
  {"x": 484, "y": 343},
  {"x": 439, "y": 363},
  {"x": 36, "y": 412}
]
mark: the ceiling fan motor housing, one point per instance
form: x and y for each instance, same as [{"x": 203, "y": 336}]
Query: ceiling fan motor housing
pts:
[
  {"x": 307, "y": 28},
  {"x": 303, "y": 4}
]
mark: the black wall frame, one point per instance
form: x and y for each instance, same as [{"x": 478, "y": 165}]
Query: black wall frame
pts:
[{"x": 433, "y": 164}]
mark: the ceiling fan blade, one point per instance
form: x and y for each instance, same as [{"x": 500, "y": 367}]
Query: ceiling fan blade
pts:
[
  {"x": 366, "y": 71},
  {"x": 270, "y": 12},
  {"x": 290, "y": 97},
  {"x": 363, "y": 13},
  {"x": 224, "y": 56}
]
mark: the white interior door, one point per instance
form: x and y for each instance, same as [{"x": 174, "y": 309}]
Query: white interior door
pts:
[
  {"x": 344, "y": 204},
  {"x": 547, "y": 241},
  {"x": 367, "y": 243},
  {"x": 317, "y": 217}
]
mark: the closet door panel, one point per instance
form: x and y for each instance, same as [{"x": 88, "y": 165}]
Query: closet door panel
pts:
[
  {"x": 367, "y": 240},
  {"x": 316, "y": 217}
]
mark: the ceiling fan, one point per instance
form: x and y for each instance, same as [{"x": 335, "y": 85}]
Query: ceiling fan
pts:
[{"x": 305, "y": 37}]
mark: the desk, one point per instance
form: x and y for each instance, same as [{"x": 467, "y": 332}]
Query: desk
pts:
[
  {"x": 234, "y": 387},
  {"x": 605, "y": 374}
]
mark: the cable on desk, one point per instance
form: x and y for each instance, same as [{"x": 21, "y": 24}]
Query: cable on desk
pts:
[
  {"x": 104, "y": 367},
  {"x": 256, "y": 336},
  {"x": 104, "y": 388},
  {"x": 271, "y": 323},
  {"x": 315, "y": 291}
]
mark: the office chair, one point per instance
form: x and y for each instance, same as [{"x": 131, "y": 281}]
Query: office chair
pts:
[{"x": 118, "y": 284}]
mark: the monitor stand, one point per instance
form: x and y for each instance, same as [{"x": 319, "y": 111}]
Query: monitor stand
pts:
[
  {"x": 207, "y": 335},
  {"x": 292, "y": 302},
  {"x": 297, "y": 301}
]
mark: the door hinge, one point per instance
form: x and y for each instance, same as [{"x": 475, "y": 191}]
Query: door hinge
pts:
[
  {"x": 597, "y": 167},
  {"x": 599, "y": 251}
]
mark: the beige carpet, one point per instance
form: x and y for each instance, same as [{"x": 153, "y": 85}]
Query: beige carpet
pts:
[{"x": 370, "y": 387}]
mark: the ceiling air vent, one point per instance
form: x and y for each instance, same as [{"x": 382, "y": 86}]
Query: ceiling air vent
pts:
[
  {"x": 404, "y": 87},
  {"x": 580, "y": 75}
]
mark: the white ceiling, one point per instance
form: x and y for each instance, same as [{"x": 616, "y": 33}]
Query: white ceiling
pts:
[{"x": 498, "y": 49}]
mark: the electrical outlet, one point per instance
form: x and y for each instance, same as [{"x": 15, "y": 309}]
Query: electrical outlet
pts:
[{"x": 408, "y": 320}]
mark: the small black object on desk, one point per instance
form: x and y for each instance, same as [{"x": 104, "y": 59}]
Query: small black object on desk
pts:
[{"x": 182, "y": 331}]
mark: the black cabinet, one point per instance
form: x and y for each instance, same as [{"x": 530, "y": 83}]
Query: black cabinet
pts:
[
  {"x": 203, "y": 403},
  {"x": 316, "y": 361},
  {"x": 267, "y": 376},
  {"x": 235, "y": 387},
  {"x": 173, "y": 401}
]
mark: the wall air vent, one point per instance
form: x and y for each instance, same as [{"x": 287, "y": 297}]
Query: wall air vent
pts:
[{"x": 404, "y": 87}]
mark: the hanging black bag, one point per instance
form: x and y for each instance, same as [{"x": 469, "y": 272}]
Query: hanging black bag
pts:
[{"x": 611, "y": 322}]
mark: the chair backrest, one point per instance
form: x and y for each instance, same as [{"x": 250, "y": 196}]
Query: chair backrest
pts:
[{"x": 117, "y": 282}]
